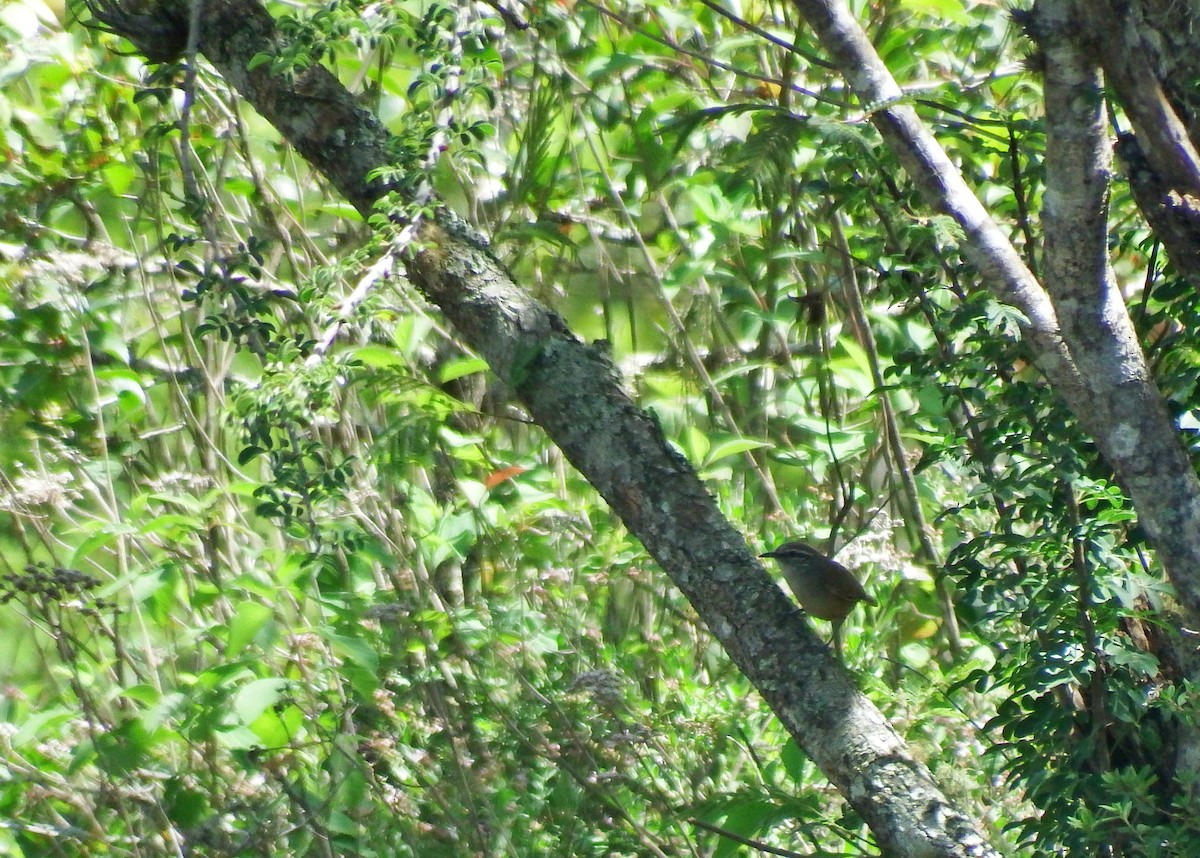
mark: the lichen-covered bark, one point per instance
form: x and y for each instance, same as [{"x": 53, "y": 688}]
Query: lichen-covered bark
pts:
[
  {"x": 1174, "y": 217},
  {"x": 573, "y": 392},
  {"x": 1148, "y": 51},
  {"x": 1139, "y": 439},
  {"x": 1127, "y": 56},
  {"x": 1091, "y": 309},
  {"x": 1159, "y": 37}
]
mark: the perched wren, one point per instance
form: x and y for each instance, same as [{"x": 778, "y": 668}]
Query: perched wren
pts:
[{"x": 825, "y": 588}]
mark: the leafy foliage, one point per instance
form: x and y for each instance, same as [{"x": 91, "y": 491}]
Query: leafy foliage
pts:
[{"x": 287, "y": 573}]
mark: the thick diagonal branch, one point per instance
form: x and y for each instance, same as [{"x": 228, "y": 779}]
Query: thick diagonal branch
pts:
[{"x": 573, "y": 392}]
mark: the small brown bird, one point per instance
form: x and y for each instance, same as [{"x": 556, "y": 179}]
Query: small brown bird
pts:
[{"x": 825, "y": 588}]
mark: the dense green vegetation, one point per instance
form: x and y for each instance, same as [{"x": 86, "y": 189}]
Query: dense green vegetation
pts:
[{"x": 286, "y": 572}]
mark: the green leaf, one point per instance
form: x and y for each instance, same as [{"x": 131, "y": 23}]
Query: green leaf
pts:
[
  {"x": 947, "y": 10},
  {"x": 733, "y": 447},
  {"x": 252, "y": 699},
  {"x": 185, "y": 806},
  {"x": 378, "y": 357},
  {"x": 249, "y": 454},
  {"x": 461, "y": 367},
  {"x": 794, "y": 761},
  {"x": 355, "y": 650},
  {"x": 248, "y": 620},
  {"x": 41, "y": 724}
]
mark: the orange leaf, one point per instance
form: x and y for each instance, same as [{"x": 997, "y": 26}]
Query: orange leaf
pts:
[{"x": 497, "y": 477}]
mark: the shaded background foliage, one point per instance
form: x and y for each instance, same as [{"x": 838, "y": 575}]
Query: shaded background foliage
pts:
[{"x": 285, "y": 572}]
